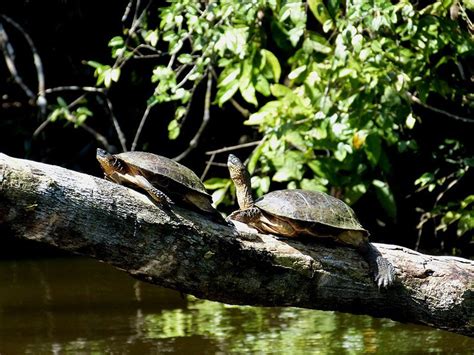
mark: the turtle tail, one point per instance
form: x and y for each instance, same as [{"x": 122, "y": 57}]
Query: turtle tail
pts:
[{"x": 380, "y": 267}]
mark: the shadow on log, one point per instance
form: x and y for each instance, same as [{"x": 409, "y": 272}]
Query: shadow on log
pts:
[{"x": 184, "y": 251}]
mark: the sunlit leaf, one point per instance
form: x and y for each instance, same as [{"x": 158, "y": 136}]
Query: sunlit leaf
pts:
[
  {"x": 185, "y": 58},
  {"x": 225, "y": 93},
  {"x": 218, "y": 196},
  {"x": 228, "y": 75},
  {"x": 173, "y": 129},
  {"x": 152, "y": 37},
  {"x": 216, "y": 183},
  {"x": 410, "y": 121},
  {"x": 424, "y": 179},
  {"x": 273, "y": 62},
  {"x": 116, "y": 41}
]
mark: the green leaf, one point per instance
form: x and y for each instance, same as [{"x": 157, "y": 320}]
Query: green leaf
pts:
[
  {"x": 95, "y": 64},
  {"x": 260, "y": 184},
  {"x": 247, "y": 90},
  {"x": 185, "y": 58},
  {"x": 216, "y": 183},
  {"x": 173, "y": 129},
  {"x": 354, "y": 193},
  {"x": 249, "y": 94},
  {"x": 225, "y": 93},
  {"x": 318, "y": 43},
  {"x": 425, "y": 179},
  {"x": 257, "y": 152},
  {"x": 152, "y": 37},
  {"x": 273, "y": 62},
  {"x": 111, "y": 75},
  {"x": 386, "y": 198},
  {"x": 180, "y": 112},
  {"x": 116, "y": 41},
  {"x": 342, "y": 150},
  {"x": 315, "y": 184},
  {"x": 219, "y": 195},
  {"x": 320, "y": 12},
  {"x": 279, "y": 90},
  {"x": 410, "y": 121},
  {"x": 296, "y": 72},
  {"x": 262, "y": 86},
  {"x": 228, "y": 75}
]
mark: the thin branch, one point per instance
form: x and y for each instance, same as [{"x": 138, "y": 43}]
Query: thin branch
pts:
[
  {"x": 243, "y": 111},
  {"x": 75, "y": 88},
  {"x": 188, "y": 106},
  {"x": 140, "y": 127},
  {"x": 135, "y": 23},
  {"x": 221, "y": 165},
  {"x": 41, "y": 99},
  {"x": 185, "y": 79},
  {"x": 127, "y": 11},
  {"x": 9, "y": 55},
  {"x": 120, "y": 135},
  {"x": 234, "y": 147},
  {"x": 456, "y": 117},
  {"x": 205, "y": 120},
  {"x": 208, "y": 165}
]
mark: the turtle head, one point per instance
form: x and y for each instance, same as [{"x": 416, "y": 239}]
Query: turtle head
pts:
[
  {"x": 237, "y": 169},
  {"x": 109, "y": 162},
  {"x": 241, "y": 178}
]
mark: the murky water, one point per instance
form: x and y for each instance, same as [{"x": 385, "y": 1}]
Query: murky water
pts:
[{"x": 77, "y": 305}]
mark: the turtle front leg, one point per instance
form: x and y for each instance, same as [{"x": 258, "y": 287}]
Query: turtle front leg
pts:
[
  {"x": 158, "y": 195},
  {"x": 382, "y": 270}
]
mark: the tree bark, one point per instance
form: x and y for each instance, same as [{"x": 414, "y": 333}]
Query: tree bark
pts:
[{"x": 185, "y": 251}]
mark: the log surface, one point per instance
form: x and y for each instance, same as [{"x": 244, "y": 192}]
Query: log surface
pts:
[{"x": 185, "y": 251}]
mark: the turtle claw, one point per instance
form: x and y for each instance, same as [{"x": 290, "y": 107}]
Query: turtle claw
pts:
[{"x": 386, "y": 273}]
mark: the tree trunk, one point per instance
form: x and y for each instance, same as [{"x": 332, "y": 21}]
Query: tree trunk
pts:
[{"x": 183, "y": 250}]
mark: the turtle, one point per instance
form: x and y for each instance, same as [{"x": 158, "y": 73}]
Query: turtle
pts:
[
  {"x": 294, "y": 213},
  {"x": 166, "y": 181}
]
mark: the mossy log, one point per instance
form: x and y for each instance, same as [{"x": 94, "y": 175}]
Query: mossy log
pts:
[{"x": 185, "y": 251}]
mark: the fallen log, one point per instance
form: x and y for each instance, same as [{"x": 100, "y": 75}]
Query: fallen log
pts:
[{"x": 185, "y": 251}]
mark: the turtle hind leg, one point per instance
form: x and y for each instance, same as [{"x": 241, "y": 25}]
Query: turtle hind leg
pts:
[{"x": 380, "y": 267}]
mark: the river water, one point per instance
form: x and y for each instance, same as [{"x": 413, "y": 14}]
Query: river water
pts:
[{"x": 76, "y": 305}]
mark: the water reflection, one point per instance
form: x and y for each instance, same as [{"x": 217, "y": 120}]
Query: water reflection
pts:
[{"x": 79, "y": 305}]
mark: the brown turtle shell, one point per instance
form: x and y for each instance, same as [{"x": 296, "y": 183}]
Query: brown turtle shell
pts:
[
  {"x": 153, "y": 165},
  {"x": 310, "y": 206}
]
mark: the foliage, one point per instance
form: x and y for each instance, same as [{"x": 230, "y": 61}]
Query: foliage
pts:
[
  {"x": 459, "y": 214},
  {"x": 332, "y": 85}
]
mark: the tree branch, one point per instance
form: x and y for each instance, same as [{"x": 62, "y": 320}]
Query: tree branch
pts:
[
  {"x": 205, "y": 120},
  {"x": 183, "y": 250},
  {"x": 41, "y": 100},
  {"x": 416, "y": 100}
]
